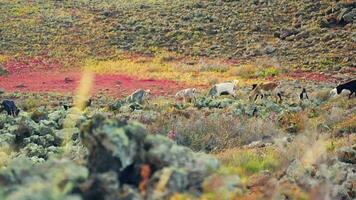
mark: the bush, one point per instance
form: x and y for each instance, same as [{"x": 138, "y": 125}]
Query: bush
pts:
[
  {"x": 244, "y": 71},
  {"x": 3, "y": 71},
  {"x": 247, "y": 162},
  {"x": 292, "y": 122}
]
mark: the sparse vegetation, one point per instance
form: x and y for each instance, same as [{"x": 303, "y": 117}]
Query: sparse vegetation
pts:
[
  {"x": 56, "y": 55},
  {"x": 248, "y": 162}
]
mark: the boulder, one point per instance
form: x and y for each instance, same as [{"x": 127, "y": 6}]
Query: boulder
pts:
[
  {"x": 123, "y": 148},
  {"x": 166, "y": 182},
  {"x": 269, "y": 49},
  {"x": 347, "y": 154},
  {"x": 22, "y": 179},
  {"x": 350, "y": 17}
]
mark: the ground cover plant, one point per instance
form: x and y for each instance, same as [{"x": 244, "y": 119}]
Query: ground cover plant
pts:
[{"x": 70, "y": 67}]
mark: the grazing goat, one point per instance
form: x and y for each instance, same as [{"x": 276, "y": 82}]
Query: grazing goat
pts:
[
  {"x": 228, "y": 88},
  {"x": 261, "y": 89},
  {"x": 66, "y": 107},
  {"x": 87, "y": 103},
  {"x": 188, "y": 94},
  {"x": 10, "y": 108},
  {"x": 139, "y": 96},
  {"x": 303, "y": 95},
  {"x": 351, "y": 86}
]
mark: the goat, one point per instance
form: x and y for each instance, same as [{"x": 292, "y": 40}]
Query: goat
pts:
[
  {"x": 88, "y": 103},
  {"x": 303, "y": 95},
  {"x": 228, "y": 88},
  {"x": 139, "y": 96},
  {"x": 10, "y": 108},
  {"x": 188, "y": 94},
  {"x": 260, "y": 89},
  {"x": 351, "y": 86}
]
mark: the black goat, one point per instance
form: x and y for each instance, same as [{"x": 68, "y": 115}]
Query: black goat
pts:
[
  {"x": 87, "y": 103},
  {"x": 303, "y": 94},
  {"x": 351, "y": 86},
  {"x": 10, "y": 108}
]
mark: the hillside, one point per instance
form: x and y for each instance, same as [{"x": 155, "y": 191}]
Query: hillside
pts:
[
  {"x": 177, "y": 99},
  {"x": 308, "y": 34}
]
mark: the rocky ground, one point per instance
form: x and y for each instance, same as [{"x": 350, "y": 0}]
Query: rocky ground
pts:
[{"x": 307, "y": 147}]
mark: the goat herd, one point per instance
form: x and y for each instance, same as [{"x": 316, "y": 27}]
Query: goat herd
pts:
[
  {"x": 189, "y": 94},
  {"x": 258, "y": 90}
]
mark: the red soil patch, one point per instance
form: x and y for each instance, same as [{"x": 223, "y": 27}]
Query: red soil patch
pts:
[
  {"x": 44, "y": 75},
  {"x": 111, "y": 84},
  {"x": 25, "y": 64}
]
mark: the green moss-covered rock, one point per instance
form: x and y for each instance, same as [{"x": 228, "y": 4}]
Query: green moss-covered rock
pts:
[
  {"x": 123, "y": 147},
  {"x": 49, "y": 180}
]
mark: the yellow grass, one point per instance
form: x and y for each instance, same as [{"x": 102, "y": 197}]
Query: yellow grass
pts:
[
  {"x": 199, "y": 73},
  {"x": 3, "y": 58},
  {"x": 246, "y": 162}
]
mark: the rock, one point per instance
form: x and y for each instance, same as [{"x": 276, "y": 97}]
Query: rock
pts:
[
  {"x": 124, "y": 147},
  {"x": 339, "y": 18},
  {"x": 115, "y": 148},
  {"x": 284, "y": 33},
  {"x": 341, "y": 193},
  {"x": 104, "y": 185},
  {"x": 166, "y": 182},
  {"x": 258, "y": 144},
  {"x": 347, "y": 154},
  {"x": 269, "y": 49},
  {"x": 350, "y": 16},
  {"x": 21, "y": 85},
  {"x": 302, "y": 175},
  {"x": 290, "y": 38},
  {"x": 43, "y": 180},
  {"x": 223, "y": 184},
  {"x": 302, "y": 35},
  {"x": 129, "y": 193},
  {"x": 213, "y": 103},
  {"x": 68, "y": 80},
  {"x": 191, "y": 62}
]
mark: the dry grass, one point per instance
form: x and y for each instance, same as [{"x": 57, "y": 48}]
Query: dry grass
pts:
[
  {"x": 155, "y": 69},
  {"x": 246, "y": 162},
  {"x": 169, "y": 66},
  {"x": 254, "y": 71},
  {"x": 293, "y": 122}
]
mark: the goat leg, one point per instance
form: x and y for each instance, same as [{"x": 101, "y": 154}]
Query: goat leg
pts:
[
  {"x": 280, "y": 96},
  {"x": 351, "y": 95}
]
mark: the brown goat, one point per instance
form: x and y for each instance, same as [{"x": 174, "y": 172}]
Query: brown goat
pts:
[{"x": 260, "y": 89}]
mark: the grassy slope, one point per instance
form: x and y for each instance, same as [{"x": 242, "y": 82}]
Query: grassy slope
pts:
[{"x": 231, "y": 29}]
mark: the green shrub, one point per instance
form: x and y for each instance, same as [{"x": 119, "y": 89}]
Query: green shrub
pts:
[{"x": 247, "y": 162}]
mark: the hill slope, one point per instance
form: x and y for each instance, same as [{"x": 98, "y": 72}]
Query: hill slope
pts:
[{"x": 318, "y": 35}]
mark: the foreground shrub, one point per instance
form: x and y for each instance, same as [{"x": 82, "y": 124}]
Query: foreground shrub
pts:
[{"x": 247, "y": 162}]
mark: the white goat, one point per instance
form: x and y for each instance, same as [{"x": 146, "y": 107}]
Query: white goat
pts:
[
  {"x": 228, "y": 88},
  {"x": 188, "y": 94}
]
